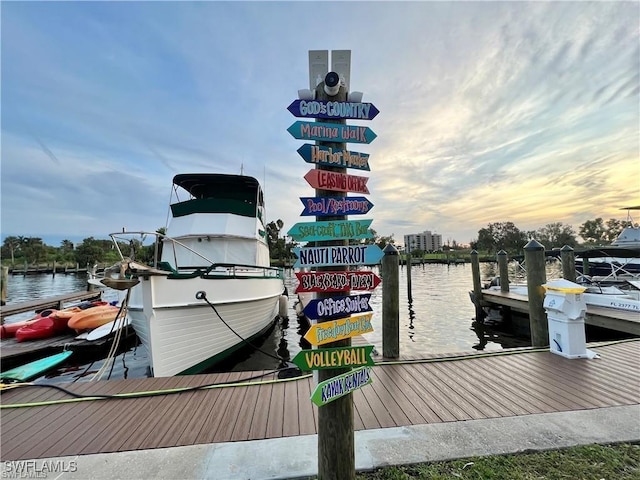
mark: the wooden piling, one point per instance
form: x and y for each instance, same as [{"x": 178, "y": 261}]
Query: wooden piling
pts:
[
  {"x": 4, "y": 280},
  {"x": 409, "y": 263},
  {"x": 536, "y": 277},
  {"x": 504, "y": 271},
  {"x": 390, "y": 302},
  {"x": 568, "y": 263},
  {"x": 477, "y": 285}
]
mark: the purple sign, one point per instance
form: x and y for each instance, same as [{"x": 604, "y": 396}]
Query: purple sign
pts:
[
  {"x": 338, "y": 307},
  {"x": 318, "y": 109},
  {"x": 327, "y": 206}
]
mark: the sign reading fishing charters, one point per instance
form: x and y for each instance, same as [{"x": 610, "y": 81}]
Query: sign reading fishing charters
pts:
[
  {"x": 332, "y": 230},
  {"x": 325, "y": 206},
  {"x": 331, "y": 132},
  {"x": 336, "y": 307},
  {"x": 334, "y": 330},
  {"x": 320, "y": 109},
  {"x": 342, "y": 385},
  {"x": 336, "y": 281},
  {"x": 326, "y": 358},
  {"x": 339, "y": 255},
  {"x": 334, "y": 157},
  {"x": 337, "y": 182}
]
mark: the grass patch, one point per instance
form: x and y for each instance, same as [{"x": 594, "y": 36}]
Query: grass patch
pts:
[{"x": 591, "y": 462}]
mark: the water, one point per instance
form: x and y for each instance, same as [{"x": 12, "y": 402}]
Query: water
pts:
[{"x": 437, "y": 320}]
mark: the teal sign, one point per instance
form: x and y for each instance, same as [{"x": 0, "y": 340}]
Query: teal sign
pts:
[
  {"x": 331, "y": 230},
  {"x": 331, "y": 132}
]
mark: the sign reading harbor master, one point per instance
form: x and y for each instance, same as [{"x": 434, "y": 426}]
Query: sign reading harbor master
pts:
[
  {"x": 339, "y": 386},
  {"x": 317, "y": 109},
  {"x": 347, "y": 255}
]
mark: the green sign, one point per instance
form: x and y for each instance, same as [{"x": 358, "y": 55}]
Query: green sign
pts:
[
  {"x": 342, "y": 385},
  {"x": 326, "y": 358}
]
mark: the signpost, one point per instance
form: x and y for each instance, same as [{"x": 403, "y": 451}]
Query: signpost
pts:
[
  {"x": 320, "y": 109},
  {"x": 331, "y": 331},
  {"x": 337, "y": 307},
  {"x": 332, "y": 256},
  {"x": 336, "y": 281},
  {"x": 327, "y": 358},
  {"x": 330, "y": 206},
  {"x": 334, "y": 157},
  {"x": 331, "y": 132},
  {"x": 339, "y": 386},
  {"x": 331, "y": 230},
  {"x": 337, "y": 182}
]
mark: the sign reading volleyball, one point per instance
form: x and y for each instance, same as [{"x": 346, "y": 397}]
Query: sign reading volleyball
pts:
[
  {"x": 319, "y": 109},
  {"x": 326, "y": 358}
]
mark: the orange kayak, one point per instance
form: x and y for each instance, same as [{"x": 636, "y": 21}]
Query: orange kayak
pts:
[{"x": 93, "y": 317}]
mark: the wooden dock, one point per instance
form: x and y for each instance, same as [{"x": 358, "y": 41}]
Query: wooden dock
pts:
[
  {"x": 435, "y": 390},
  {"x": 621, "y": 321},
  {"x": 58, "y": 302}
]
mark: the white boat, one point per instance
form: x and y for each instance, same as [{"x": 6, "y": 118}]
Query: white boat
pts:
[{"x": 211, "y": 288}]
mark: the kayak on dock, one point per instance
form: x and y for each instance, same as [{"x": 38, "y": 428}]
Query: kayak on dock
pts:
[
  {"x": 43, "y": 328},
  {"x": 34, "y": 369}
]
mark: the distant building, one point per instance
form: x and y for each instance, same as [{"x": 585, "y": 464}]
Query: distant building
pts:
[{"x": 425, "y": 241}]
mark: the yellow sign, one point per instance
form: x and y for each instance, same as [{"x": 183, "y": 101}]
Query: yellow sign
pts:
[{"x": 334, "y": 330}]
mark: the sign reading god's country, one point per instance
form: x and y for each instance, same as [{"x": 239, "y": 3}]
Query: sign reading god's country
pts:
[
  {"x": 330, "y": 157},
  {"x": 331, "y": 132},
  {"x": 338, "y": 182},
  {"x": 339, "y": 255},
  {"x": 318, "y": 109},
  {"x": 336, "y": 307},
  {"x": 324, "y": 206},
  {"x": 333, "y": 230},
  {"x": 336, "y": 281},
  {"x": 334, "y": 330},
  {"x": 339, "y": 386},
  {"x": 326, "y": 358}
]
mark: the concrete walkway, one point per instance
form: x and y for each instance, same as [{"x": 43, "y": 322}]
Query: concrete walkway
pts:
[{"x": 296, "y": 457}]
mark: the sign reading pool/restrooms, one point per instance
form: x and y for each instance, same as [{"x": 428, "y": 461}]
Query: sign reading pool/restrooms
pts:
[
  {"x": 332, "y": 230},
  {"x": 339, "y": 386},
  {"x": 336, "y": 281},
  {"x": 334, "y": 157},
  {"x": 340, "y": 357},
  {"x": 336, "y": 307},
  {"x": 334, "y": 330},
  {"x": 342, "y": 255},
  {"x": 326, "y": 206},
  {"x": 331, "y": 132},
  {"x": 320, "y": 109}
]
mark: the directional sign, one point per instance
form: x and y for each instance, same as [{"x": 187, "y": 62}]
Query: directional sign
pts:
[
  {"x": 318, "y": 109},
  {"x": 341, "y": 255},
  {"x": 334, "y": 157},
  {"x": 326, "y": 358},
  {"x": 338, "y": 182},
  {"x": 336, "y": 281},
  {"x": 331, "y": 132},
  {"x": 337, "y": 307},
  {"x": 334, "y": 330},
  {"x": 326, "y": 206},
  {"x": 332, "y": 230},
  {"x": 341, "y": 385}
]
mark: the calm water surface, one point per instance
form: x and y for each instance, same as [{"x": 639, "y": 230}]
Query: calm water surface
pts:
[{"x": 438, "y": 319}]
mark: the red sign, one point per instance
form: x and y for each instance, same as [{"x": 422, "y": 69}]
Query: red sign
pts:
[
  {"x": 336, "y": 281},
  {"x": 339, "y": 182}
]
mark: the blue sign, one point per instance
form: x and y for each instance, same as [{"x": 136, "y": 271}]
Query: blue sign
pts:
[
  {"x": 339, "y": 255},
  {"x": 337, "y": 307},
  {"x": 331, "y": 132},
  {"x": 334, "y": 157},
  {"x": 318, "y": 109},
  {"x": 326, "y": 206},
  {"x": 332, "y": 230}
]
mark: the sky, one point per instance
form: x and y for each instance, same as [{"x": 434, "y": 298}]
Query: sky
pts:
[{"x": 523, "y": 112}]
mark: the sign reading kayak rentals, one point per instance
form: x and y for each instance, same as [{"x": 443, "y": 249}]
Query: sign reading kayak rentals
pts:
[
  {"x": 336, "y": 281},
  {"x": 331, "y": 132},
  {"x": 342, "y": 385},
  {"x": 334, "y": 157},
  {"x": 339, "y": 255},
  {"x": 318, "y": 109},
  {"x": 337, "y": 182},
  {"x": 332, "y": 331},
  {"x": 333, "y": 230},
  {"x": 336, "y": 307},
  {"x": 326, "y": 358},
  {"x": 325, "y": 206}
]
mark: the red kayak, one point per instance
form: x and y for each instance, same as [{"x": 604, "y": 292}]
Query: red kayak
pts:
[
  {"x": 44, "y": 328},
  {"x": 9, "y": 329}
]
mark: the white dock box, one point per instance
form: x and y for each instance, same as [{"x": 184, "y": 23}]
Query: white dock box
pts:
[{"x": 566, "y": 307}]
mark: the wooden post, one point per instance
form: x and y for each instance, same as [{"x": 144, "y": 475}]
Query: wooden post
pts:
[
  {"x": 568, "y": 263},
  {"x": 504, "y": 271},
  {"x": 54, "y": 268},
  {"x": 477, "y": 286},
  {"x": 409, "y": 263},
  {"x": 390, "y": 302},
  {"x": 4, "y": 280},
  {"x": 536, "y": 277}
]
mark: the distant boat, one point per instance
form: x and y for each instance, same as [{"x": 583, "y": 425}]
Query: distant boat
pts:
[{"x": 211, "y": 286}]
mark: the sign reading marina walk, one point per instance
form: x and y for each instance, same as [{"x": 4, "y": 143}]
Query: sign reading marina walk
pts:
[
  {"x": 342, "y": 385},
  {"x": 334, "y": 330},
  {"x": 338, "y": 182},
  {"x": 337, "y": 307},
  {"x": 326, "y": 358},
  {"x": 331, "y": 132},
  {"x": 325, "y": 206},
  {"x": 339, "y": 255},
  {"x": 332, "y": 230},
  {"x": 334, "y": 157},
  {"x": 336, "y": 281},
  {"x": 320, "y": 109}
]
